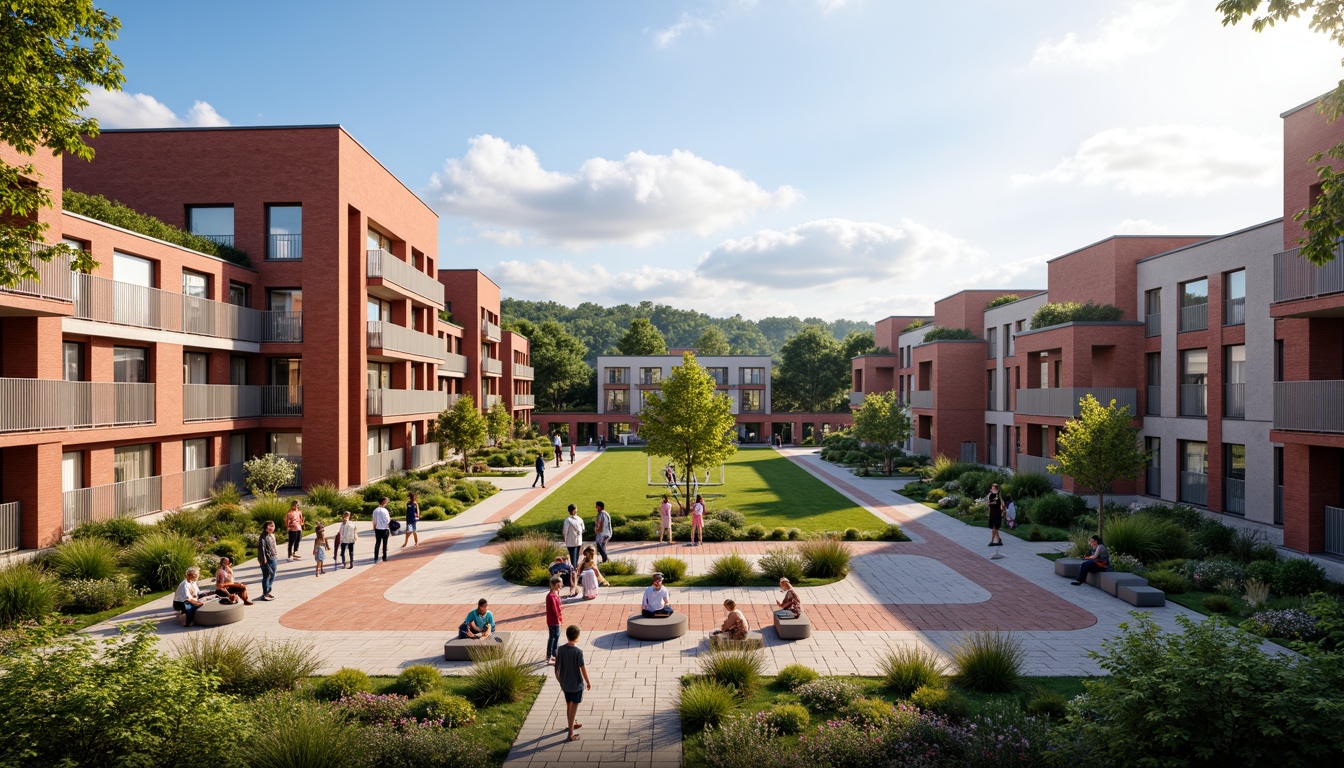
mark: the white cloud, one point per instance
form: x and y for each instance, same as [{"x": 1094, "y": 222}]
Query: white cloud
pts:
[
  {"x": 506, "y": 237},
  {"x": 637, "y": 199},
  {"x": 829, "y": 6},
  {"x": 1124, "y": 36},
  {"x": 1140, "y": 227},
  {"x": 687, "y": 23},
  {"x": 1171, "y": 160},
  {"x": 118, "y": 109}
]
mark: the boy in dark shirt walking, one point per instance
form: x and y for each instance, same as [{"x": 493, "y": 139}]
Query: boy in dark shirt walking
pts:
[{"x": 572, "y": 675}]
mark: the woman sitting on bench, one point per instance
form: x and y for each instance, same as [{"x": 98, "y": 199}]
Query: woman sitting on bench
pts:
[
  {"x": 1099, "y": 560},
  {"x": 790, "y": 607},
  {"x": 734, "y": 624}
]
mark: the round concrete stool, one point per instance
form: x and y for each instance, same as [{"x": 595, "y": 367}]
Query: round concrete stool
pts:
[
  {"x": 659, "y": 628},
  {"x": 215, "y": 613}
]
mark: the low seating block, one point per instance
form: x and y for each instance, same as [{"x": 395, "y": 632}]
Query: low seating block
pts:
[
  {"x": 215, "y": 613},
  {"x": 793, "y": 629},
  {"x": 460, "y": 649},
  {"x": 1110, "y": 581},
  {"x": 660, "y": 628},
  {"x": 1142, "y": 596},
  {"x": 754, "y": 639},
  {"x": 1094, "y": 578},
  {"x": 1068, "y": 567}
]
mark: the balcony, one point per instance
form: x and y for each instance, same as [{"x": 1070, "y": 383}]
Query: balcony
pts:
[
  {"x": 100, "y": 300},
  {"x": 283, "y": 327},
  {"x": 490, "y": 331},
  {"x": 1309, "y": 406},
  {"x": 524, "y": 401},
  {"x": 521, "y": 371},
  {"x": 1038, "y": 464},
  {"x": 921, "y": 446},
  {"x": 1334, "y": 531},
  {"x": 217, "y": 239},
  {"x": 1154, "y": 402},
  {"x": 216, "y": 402},
  {"x": 54, "y": 280},
  {"x": 1234, "y": 311},
  {"x": 36, "y": 405},
  {"x": 1234, "y": 401},
  {"x": 453, "y": 363},
  {"x": 922, "y": 398},
  {"x": 1194, "y": 400},
  {"x": 856, "y": 399},
  {"x": 1152, "y": 325},
  {"x": 390, "y": 269},
  {"x": 132, "y": 498},
  {"x": 423, "y": 455},
  {"x": 1234, "y": 496},
  {"x": 284, "y": 247},
  {"x": 1297, "y": 278},
  {"x": 197, "y": 483},
  {"x": 1194, "y": 488},
  {"x": 453, "y": 397},
  {"x": 1062, "y": 402},
  {"x": 492, "y": 400},
  {"x": 11, "y": 528},
  {"x": 390, "y": 337},
  {"x": 404, "y": 402},
  {"x": 492, "y": 367},
  {"x": 385, "y": 463},
  {"x": 1194, "y": 318}
]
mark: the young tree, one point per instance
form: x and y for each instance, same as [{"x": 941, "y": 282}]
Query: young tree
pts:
[
  {"x": 643, "y": 338},
  {"x": 498, "y": 422},
  {"x": 883, "y": 422},
  {"x": 460, "y": 428},
  {"x": 50, "y": 52},
  {"x": 711, "y": 343},
  {"x": 1098, "y": 448},
  {"x": 813, "y": 372},
  {"x": 268, "y": 473},
  {"x": 687, "y": 422}
]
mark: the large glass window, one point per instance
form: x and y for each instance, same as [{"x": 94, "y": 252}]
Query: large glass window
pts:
[
  {"x": 720, "y": 375},
  {"x": 1154, "y": 392},
  {"x": 1194, "y": 305},
  {"x": 1153, "y": 474},
  {"x": 72, "y": 357},
  {"x": 237, "y": 371},
  {"x": 378, "y": 241},
  {"x": 753, "y": 375},
  {"x": 195, "y": 454},
  {"x": 132, "y": 269},
  {"x": 238, "y": 294},
  {"x": 285, "y": 372},
  {"x": 195, "y": 284},
  {"x": 286, "y": 443},
  {"x": 752, "y": 401},
  {"x": 380, "y": 376},
  {"x": 1195, "y": 457},
  {"x": 380, "y": 439},
  {"x": 379, "y": 310},
  {"x": 618, "y": 375},
  {"x": 1194, "y": 378},
  {"x": 1234, "y": 380},
  {"x": 650, "y": 375},
  {"x": 133, "y": 462},
  {"x": 284, "y": 230},
  {"x": 211, "y": 221},
  {"x": 1234, "y": 297},
  {"x": 618, "y": 401},
  {"x": 1194, "y": 487},
  {"x": 130, "y": 364},
  {"x": 195, "y": 368},
  {"x": 286, "y": 300}
]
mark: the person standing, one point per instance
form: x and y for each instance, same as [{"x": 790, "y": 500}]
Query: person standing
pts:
[
  {"x": 541, "y": 472},
  {"x": 345, "y": 540},
  {"x": 294, "y": 527},
  {"x": 665, "y": 519},
  {"x": 319, "y": 549},
  {"x": 698, "y": 521},
  {"x": 602, "y": 530},
  {"x": 558, "y": 445},
  {"x": 382, "y": 522},
  {"x": 572, "y": 676},
  {"x": 996, "y": 502},
  {"x": 412, "y": 521},
  {"x": 267, "y": 555},
  {"x": 571, "y": 451},
  {"x": 573, "y": 529},
  {"x": 554, "y": 615}
]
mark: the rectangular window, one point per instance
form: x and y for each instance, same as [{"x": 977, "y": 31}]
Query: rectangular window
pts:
[
  {"x": 237, "y": 449},
  {"x": 237, "y": 371},
  {"x": 195, "y": 284},
  {"x": 1194, "y": 472},
  {"x": 751, "y": 401},
  {"x": 618, "y": 401},
  {"x": 377, "y": 241},
  {"x": 650, "y": 375},
  {"x": 992, "y": 442},
  {"x": 284, "y": 232},
  {"x": 1008, "y": 340},
  {"x": 195, "y": 454},
  {"x": 1152, "y": 312},
  {"x": 1278, "y": 359},
  {"x": 380, "y": 376},
  {"x": 753, "y": 375},
  {"x": 380, "y": 440},
  {"x": 284, "y": 372},
  {"x": 72, "y": 470},
  {"x": 132, "y": 462},
  {"x": 1234, "y": 381},
  {"x": 989, "y": 388},
  {"x": 618, "y": 375},
  {"x": 1153, "y": 473},
  {"x": 1234, "y": 298},
  {"x": 285, "y": 300},
  {"x": 1045, "y": 372},
  {"x": 132, "y": 270},
  {"x": 1234, "y": 479},
  {"x": 72, "y": 356},
  {"x": 1154, "y": 391},
  {"x": 1194, "y": 380},
  {"x": 1194, "y": 305},
  {"x": 379, "y": 310},
  {"x": 130, "y": 364},
  {"x": 720, "y": 376},
  {"x": 286, "y": 443},
  {"x": 214, "y": 222},
  {"x": 238, "y": 294},
  {"x": 195, "y": 368}
]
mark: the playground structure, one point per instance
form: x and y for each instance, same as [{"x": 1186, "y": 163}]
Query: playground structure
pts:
[{"x": 675, "y": 482}]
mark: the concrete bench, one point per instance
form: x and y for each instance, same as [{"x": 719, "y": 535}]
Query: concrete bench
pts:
[
  {"x": 754, "y": 639},
  {"x": 658, "y": 628},
  {"x": 1068, "y": 567},
  {"x": 1110, "y": 581},
  {"x": 216, "y": 613},
  {"x": 459, "y": 649},
  {"x": 793, "y": 629},
  {"x": 1142, "y": 596}
]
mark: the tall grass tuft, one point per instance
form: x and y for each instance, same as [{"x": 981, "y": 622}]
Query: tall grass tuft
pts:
[
  {"x": 161, "y": 560},
  {"x": 705, "y": 703},
  {"x": 779, "y": 564},
  {"x": 621, "y": 566},
  {"x": 189, "y": 523},
  {"x": 824, "y": 558},
  {"x": 989, "y": 662},
  {"x": 500, "y": 677},
  {"x": 84, "y": 559},
  {"x": 672, "y": 568},
  {"x": 246, "y": 667},
  {"x": 26, "y": 593},
  {"x": 1148, "y": 538},
  {"x": 518, "y": 558},
  {"x": 226, "y": 493},
  {"x": 293, "y": 732},
  {"x": 738, "y": 668},
  {"x": 731, "y": 570},
  {"x": 122, "y": 531},
  {"x": 910, "y": 667},
  {"x": 270, "y": 509}
]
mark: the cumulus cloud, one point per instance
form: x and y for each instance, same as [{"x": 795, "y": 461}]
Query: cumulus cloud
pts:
[
  {"x": 834, "y": 252},
  {"x": 118, "y": 109},
  {"x": 687, "y": 23},
  {"x": 636, "y": 199},
  {"x": 829, "y": 6},
  {"x": 1132, "y": 33},
  {"x": 1172, "y": 160}
]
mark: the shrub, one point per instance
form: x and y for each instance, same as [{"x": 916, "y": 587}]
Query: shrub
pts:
[
  {"x": 1057, "y": 510},
  {"x": 1287, "y": 623},
  {"x": 291, "y": 731},
  {"x": 827, "y": 694},
  {"x": 731, "y": 570},
  {"x": 26, "y": 593},
  {"x": 268, "y": 473},
  {"x": 704, "y": 703},
  {"x": 937, "y": 494},
  {"x": 824, "y": 558},
  {"x": 246, "y": 668},
  {"x": 270, "y": 510},
  {"x": 641, "y": 530},
  {"x": 97, "y": 595},
  {"x": 1213, "y": 538},
  {"x": 795, "y": 675},
  {"x": 738, "y": 668},
  {"x": 778, "y": 564},
  {"x": 944, "y": 469},
  {"x": 499, "y": 679},
  {"x": 893, "y": 532},
  {"x": 509, "y": 530},
  {"x": 755, "y": 532},
  {"x": 329, "y": 496},
  {"x": 84, "y": 559},
  {"x": 231, "y": 547},
  {"x": 417, "y": 679},
  {"x": 122, "y": 531},
  {"x": 188, "y": 523},
  {"x": 1126, "y": 564},
  {"x": 415, "y": 744},
  {"x": 940, "y": 700},
  {"x": 374, "y": 492},
  {"x": 434, "y": 513},
  {"x": 370, "y": 708},
  {"x": 518, "y": 557},
  {"x": 778, "y": 534},
  {"x": 672, "y": 568},
  {"x": 1262, "y": 571},
  {"x": 454, "y": 711},
  {"x": 1047, "y": 704},
  {"x": 120, "y": 215},
  {"x": 161, "y": 560},
  {"x": 718, "y": 530},
  {"x": 851, "y": 534},
  {"x": 1212, "y": 574},
  {"x": 1055, "y": 313},
  {"x": 1170, "y": 582},
  {"x": 794, "y": 534},
  {"x": 621, "y": 566},
  {"x": 1299, "y": 576},
  {"x": 869, "y": 713},
  {"x": 788, "y": 719},
  {"x": 1217, "y": 603},
  {"x": 342, "y": 683},
  {"x": 226, "y": 493},
  {"x": 976, "y": 484},
  {"x": 939, "y": 333},
  {"x": 989, "y": 662},
  {"x": 735, "y": 519},
  {"x": 909, "y": 667},
  {"x": 1147, "y": 538}
]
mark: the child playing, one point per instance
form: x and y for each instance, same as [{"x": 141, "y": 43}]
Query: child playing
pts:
[{"x": 319, "y": 549}]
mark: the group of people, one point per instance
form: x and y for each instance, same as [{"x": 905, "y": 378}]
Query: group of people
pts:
[{"x": 697, "y": 521}]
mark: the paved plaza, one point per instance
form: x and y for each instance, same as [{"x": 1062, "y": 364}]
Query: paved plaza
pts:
[{"x": 382, "y": 618}]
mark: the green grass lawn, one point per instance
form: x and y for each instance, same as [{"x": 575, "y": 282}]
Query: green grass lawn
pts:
[
  {"x": 1022, "y": 531},
  {"x": 766, "y": 487}
]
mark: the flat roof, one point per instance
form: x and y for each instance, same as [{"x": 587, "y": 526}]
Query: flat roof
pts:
[
  {"x": 1305, "y": 104},
  {"x": 1124, "y": 237},
  {"x": 1242, "y": 231}
]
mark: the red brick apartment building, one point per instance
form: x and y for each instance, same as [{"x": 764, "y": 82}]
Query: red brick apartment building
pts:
[
  {"x": 1230, "y": 349},
  {"x": 140, "y": 386}
]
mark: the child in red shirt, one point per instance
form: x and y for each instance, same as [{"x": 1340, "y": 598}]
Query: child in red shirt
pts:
[{"x": 553, "y": 618}]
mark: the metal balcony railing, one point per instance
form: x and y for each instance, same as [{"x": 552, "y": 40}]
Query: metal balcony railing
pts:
[
  {"x": 397, "y": 272},
  {"x": 491, "y": 401},
  {"x": 922, "y": 398},
  {"x": 1152, "y": 325},
  {"x": 1334, "y": 530},
  {"x": 521, "y": 371},
  {"x": 281, "y": 326},
  {"x": 921, "y": 446},
  {"x": 492, "y": 367},
  {"x": 1153, "y": 406},
  {"x": 1234, "y": 401},
  {"x": 524, "y": 401},
  {"x": 1297, "y": 278},
  {"x": 454, "y": 363},
  {"x": 1194, "y": 400},
  {"x": 423, "y": 455},
  {"x": 1038, "y": 464},
  {"x": 197, "y": 483},
  {"x": 1194, "y": 318},
  {"x": 132, "y": 498},
  {"x": 281, "y": 400},
  {"x": 1234, "y": 496},
  {"x": 212, "y": 402},
  {"x": 217, "y": 239},
  {"x": 390, "y": 337},
  {"x": 284, "y": 247},
  {"x": 856, "y": 399},
  {"x": 34, "y": 405},
  {"x": 54, "y": 278},
  {"x": 490, "y": 331},
  {"x": 403, "y": 402},
  {"x": 1194, "y": 488},
  {"x": 11, "y": 527},
  {"x": 385, "y": 463},
  {"x": 1234, "y": 311},
  {"x": 1309, "y": 406},
  {"x": 1063, "y": 401},
  {"x": 108, "y": 301}
]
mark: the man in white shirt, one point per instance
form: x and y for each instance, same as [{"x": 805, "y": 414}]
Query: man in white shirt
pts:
[
  {"x": 657, "y": 602},
  {"x": 382, "y": 523},
  {"x": 602, "y": 530},
  {"x": 557, "y": 443},
  {"x": 573, "y": 528}
]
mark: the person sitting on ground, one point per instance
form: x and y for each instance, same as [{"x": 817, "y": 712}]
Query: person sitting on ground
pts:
[
  {"x": 589, "y": 575},
  {"x": 479, "y": 623},
  {"x": 657, "y": 602},
  {"x": 1099, "y": 560},
  {"x": 226, "y": 587},
  {"x": 565, "y": 571},
  {"x": 734, "y": 624},
  {"x": 187, "y": 598},
  {"x": 790, "y": 607}
]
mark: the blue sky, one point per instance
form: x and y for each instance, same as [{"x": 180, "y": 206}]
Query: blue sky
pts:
[{"x": 832, "y": 158}]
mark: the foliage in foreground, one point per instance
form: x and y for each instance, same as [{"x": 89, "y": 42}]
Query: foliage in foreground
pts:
[{"x": 246, "y": 667}]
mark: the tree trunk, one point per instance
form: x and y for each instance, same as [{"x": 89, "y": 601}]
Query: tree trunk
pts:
[{"x": 1101, "y": 512}]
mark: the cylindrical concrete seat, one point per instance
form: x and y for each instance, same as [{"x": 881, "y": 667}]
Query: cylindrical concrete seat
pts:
[
  {"x": 460, "y": 648},
  {"x": 660, "y": 628},
  {"x": 215, "y": 613}
]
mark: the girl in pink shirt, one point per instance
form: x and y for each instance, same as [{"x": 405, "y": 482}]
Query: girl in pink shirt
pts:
[{"x": 698, "y": 521}]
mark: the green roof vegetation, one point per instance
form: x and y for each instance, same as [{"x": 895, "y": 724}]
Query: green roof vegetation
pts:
[{"x": 119, "y": 215}]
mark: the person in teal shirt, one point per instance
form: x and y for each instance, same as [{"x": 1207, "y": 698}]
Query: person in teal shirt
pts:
[{"x": 479, "y": 623}]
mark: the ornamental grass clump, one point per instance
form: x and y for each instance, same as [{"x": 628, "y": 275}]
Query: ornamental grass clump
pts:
[
  {"x": 27, "y": 593},
  {"x": 825, "y": 558},
  {"x": 292, "y": 731},
  {"x": 518, "y": 557},
  {"x": 738, "y": 668},
  {"x": 160, "y": 560},
  {"x": 908, "y": 667},
  {"x": 498, "y": 677},
  {"x": 731, "y": 570},
  {"x": 705, "y": 703},
  {"x": 84, "y": 559},
  {"x": 778, "y": 564},
  {"x": 988, "y": 662}
]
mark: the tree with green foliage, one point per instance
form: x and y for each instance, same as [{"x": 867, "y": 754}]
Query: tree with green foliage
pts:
[
  {"x": 688, "y": 422},
  {"x": 51, "y": 51},
  {"x": 461, "y": 428},
  {"x": 1098, "y": 448},
  {"x": 268, "y": 473},
  {"x": 557, "y": 360},
  {"x": 642, "y": 338},
  {"x": 498, "y": 422},
  {"x": 882, "y": 421},
  {"x": 999, "y": 301},
  {"x": 858, "y": 343},
  {"x": 712, "y": 343},
  {"x": 813, "y": 372}
]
